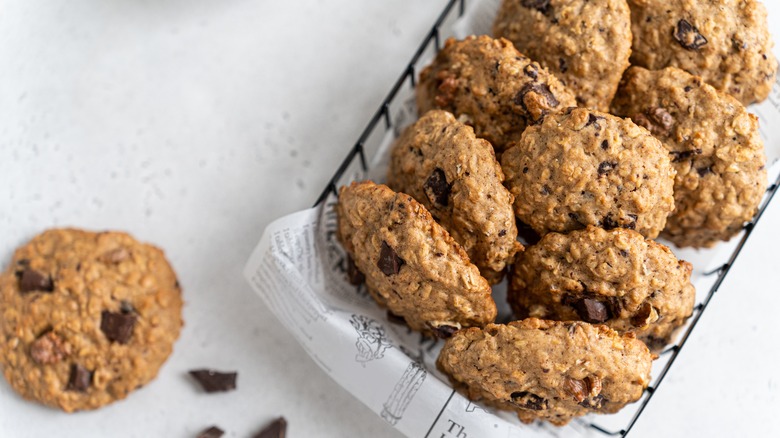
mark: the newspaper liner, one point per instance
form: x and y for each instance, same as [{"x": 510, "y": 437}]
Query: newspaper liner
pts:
[{"x": 298, "y": 269}]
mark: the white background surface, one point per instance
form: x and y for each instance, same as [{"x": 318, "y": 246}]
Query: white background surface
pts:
[{"x": 194, "y": 124}]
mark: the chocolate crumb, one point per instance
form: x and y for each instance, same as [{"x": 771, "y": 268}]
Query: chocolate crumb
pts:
[
  {"x": 211, "y": 432},
  {"x": 277, "y": 429},
  {"x": 354, "y": 276},
  {"x": 215, "y": 381}
]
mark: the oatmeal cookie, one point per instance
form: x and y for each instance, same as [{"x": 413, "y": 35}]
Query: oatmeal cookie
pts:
[
  {"x": 612, "y": 277},
  {"x": 411, "y": 264},
  {"x": 455, "y": 175},
  {"x": 86, "y": 318},
  {"x": 489, "y": 85},
  {"x": 585, "y": 43},
  {"x": 726, "y": 42},
  {"x": 548, "y": 370},
  {"x": 589, "y": 168},
  {"x": 715, "y": 148}
]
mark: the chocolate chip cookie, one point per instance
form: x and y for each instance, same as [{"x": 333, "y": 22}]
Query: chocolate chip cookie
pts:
[
  {"x": 612, "y": 277},
  {"x": 589, "y": 168},
  {"x": 715, "y": 147},
  {"x": 455, "y": 175},
  {"x": 86, "y": 318},
  {"x": 726, "y": 42},
  {"x": 548, "y": 370},
  {"x": 411, "y": 264},
  {"x": 585, "y": 43},
  {"x": 486, "y": 83}
]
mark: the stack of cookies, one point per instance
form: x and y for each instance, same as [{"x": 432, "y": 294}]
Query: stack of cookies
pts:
[{"x": 597, "y": 126}]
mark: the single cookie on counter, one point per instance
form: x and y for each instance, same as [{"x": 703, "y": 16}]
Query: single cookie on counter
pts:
[
  {"x": 726, "y": 42},
  {"x": 715, "y": 147},
  {"x": 442, "y": 164},
  {"x": 589, "y": 168},
  {"x": 548, "y": 370},
  {"x": 585, "y": 43},
  {"x": 86, "y": 318},
  {"x": 411, "y": 264},
  {"x": 486, "y": 83},
  {"x": 612, "y": 277}
]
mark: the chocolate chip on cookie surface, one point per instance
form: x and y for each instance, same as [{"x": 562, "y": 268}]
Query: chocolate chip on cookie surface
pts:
[
  {"x": 86, "y": 317},
  {"x": 715, "y": 148},
  {"x": 411, "y": 264},
  {"x": 488, "y": 84},
  {"x": 614, "y": 277},
  {"x": 441, "y": 163},
  {"x": 589, "y": 168},
  {"x": 585, "y": 43},
  {"x": 726, "y": 42},
  {"x": 548, "y": 370}
]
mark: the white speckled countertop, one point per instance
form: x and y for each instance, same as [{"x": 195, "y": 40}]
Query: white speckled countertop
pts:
[{"x": 193, "y": 124}]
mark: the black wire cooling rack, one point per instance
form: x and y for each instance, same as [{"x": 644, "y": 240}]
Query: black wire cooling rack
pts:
[{"x": 373, "y": 134}]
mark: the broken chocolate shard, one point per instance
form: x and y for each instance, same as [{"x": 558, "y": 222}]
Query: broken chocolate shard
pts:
[
  {"x": 594, "y": 403},
  {"x": 354, "y": 276},
  {"x": 443, "y": 331},
  {"x": 211, "y": 432},
  {"x": 437, "y": 189},
  {"x": 594, "y": 120},
  {"x": 118, "y": 327},
  {"x": 389, "y": 262},
  {"x": 215, "y": 381},
  {"x": 527, "y": 400},
  {"x": 591, "y": 311},
  {"x": 277, "y": 429},
  {"x": 688, "y": 36},
  {"x": 32, "y": 280},
  {"x": 80, "y": 378}
]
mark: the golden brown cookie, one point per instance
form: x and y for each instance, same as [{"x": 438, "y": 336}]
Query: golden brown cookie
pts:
[
  {"x": 585, "y": 43},
  {"x": 86, "y": 317},
  {"x": 589, "y": 168},
  {"x": 726, "y": 42},
  {"x": 455, "y": 175},
  {"x": 715, "y": 148},
  {"x": 486, "y": 83},
  {"x": 548, "y": 370},
  {"x": 411, "y": 264},
  {"x": 612, "y": 277}
]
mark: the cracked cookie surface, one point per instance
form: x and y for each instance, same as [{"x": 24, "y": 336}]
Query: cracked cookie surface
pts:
[
  {"x": 589, "y": 168},
  {"x": 441, "y": 163},
  {"x": 615, "y": 277},
  {"x": 726, "y": 42},
  {"x": 488, "y": 84},
  {"x": 86, "y": 318},
  {"x": 548, "y": 370},
  {"x": 411, "y": 264},
  {"x": 715, "y": 147},
  {"x": 585, "y": 43}
]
